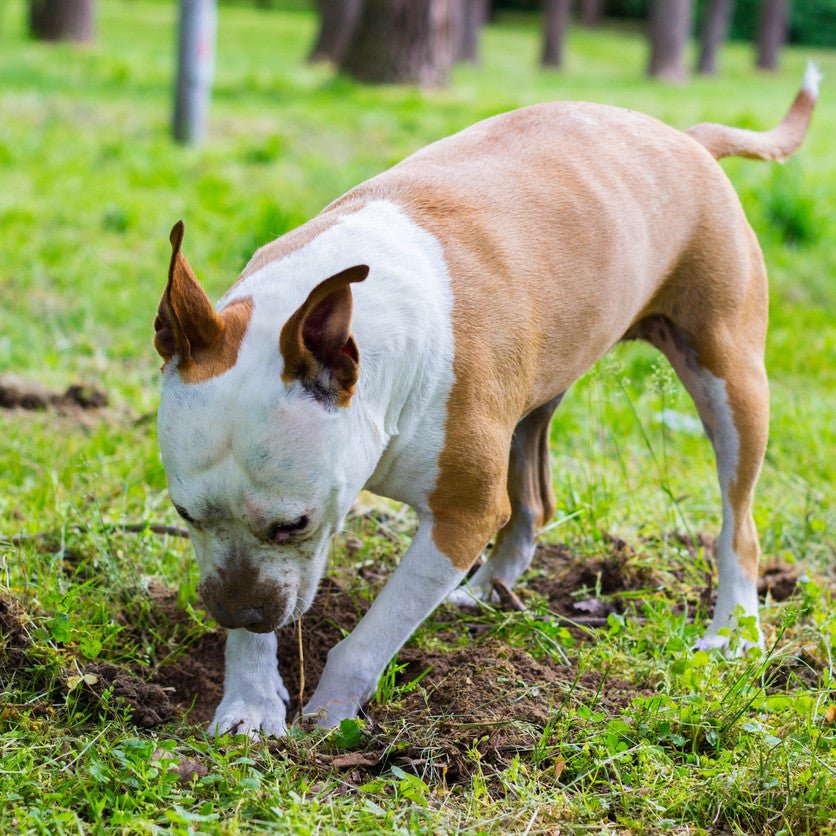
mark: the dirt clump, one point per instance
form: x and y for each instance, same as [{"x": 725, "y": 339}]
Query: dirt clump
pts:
[
  {"x": 481, "y": 705},
  {"x": 18, "y": 393},
  {"x": 779, "y": 580},
  {"x": 14, "y": 640},
  {"x": 149, "y": 703},
  {"x": 573, "y": 584}
]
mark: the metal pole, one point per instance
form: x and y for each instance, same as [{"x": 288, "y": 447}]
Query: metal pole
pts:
[{"x": 195, "y": 68}]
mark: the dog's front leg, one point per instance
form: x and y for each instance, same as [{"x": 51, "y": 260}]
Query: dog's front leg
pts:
[
  {"x": 255, "y": 700},
  {"x": 424, "y": 577}
]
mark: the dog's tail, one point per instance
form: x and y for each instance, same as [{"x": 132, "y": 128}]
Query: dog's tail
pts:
[{"x": 779, "y": 143}]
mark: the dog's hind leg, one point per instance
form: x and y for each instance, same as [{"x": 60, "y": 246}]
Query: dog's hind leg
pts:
[
  {"x": 722, "y": 368},
  {"x": 532, "y": 505}
]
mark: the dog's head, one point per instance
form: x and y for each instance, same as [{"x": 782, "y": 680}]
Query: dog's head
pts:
[{"x": 255, "y": 432}]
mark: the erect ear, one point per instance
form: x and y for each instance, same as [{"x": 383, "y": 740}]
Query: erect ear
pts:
[
  {"x": 316, "y": 341},
  {"x": 186, "y": 322}
]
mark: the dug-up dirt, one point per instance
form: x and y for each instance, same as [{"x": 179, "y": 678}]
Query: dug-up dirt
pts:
[
  {"x": 18, "y": 393},
  {"x": 466, "y": 698}
]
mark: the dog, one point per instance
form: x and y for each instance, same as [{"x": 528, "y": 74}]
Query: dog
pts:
[{"x": 414, "y": 340}]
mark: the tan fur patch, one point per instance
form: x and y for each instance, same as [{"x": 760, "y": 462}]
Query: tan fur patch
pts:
[
  {"x": 222, "y": 354},
  {"x": 562, "y": 226}
]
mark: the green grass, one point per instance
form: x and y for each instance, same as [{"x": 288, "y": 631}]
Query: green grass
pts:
[{"x": 89, "y": 187}]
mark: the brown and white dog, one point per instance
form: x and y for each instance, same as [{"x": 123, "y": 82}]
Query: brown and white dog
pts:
[{"x": 415, "y": 338}]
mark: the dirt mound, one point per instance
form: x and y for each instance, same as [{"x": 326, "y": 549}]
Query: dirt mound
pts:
[
  {"x": 779, "y": 580},
  {"x": 573, "y": 584},
  {"x": 149, "y": 703},
  {"x": 17, "y": 393},
  {"x": 481, "y": 705}
]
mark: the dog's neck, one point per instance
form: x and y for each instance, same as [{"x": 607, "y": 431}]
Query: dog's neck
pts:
[{"x": 401, "y": 323}]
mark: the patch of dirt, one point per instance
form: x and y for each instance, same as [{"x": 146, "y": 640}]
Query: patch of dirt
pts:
[
  {"x": 18, "y": 393},
  {"x": 488, "y": 698},
  {"x": 334, "y": 613},
  {"x": 150, "y": 705},
  {"x": 561, "y": 574},
  {"x": 779, "y": 580},
  {"x": 454, "y": 708},
  {"x": 194, "y": 680},
  {"x": 14, "y": 640}
]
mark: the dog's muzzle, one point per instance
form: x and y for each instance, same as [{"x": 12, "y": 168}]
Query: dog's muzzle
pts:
[{"x": 236, "y": 599}]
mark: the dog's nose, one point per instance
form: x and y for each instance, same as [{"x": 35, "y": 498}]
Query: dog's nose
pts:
[{"x": 246, "y": 617}]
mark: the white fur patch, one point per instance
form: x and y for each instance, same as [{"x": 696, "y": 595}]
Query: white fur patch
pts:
[
  {"x": 244, "y": 448},
  {"x": 812, "y": 77}
]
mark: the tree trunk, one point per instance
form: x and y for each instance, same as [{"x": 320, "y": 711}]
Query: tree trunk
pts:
[
  {"x": 670, "y": 24},
  {"x": 337, "y": 22},
  {"x": 61, "y": 20},
  {"x": 592, "y": 12},
  {"x": 195, "y": 69},
  {"x": 555, "y": 22},
  {"x": 404, "y": 42},
  {"x": 772, "y": 32},
  {"x": 715, "y": 28},
  {"x": 475, "y": 16}
]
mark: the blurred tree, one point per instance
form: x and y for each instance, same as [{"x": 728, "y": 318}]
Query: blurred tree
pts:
[
  {"x": 715, "y": 30},
  {"x": 668, "y": 30},
  {"x": 772, "y": 32},
  {"x": 337, "y": 21},
  {"x": 592, "y": 12},
  {"x": 475, "y": 15},
  {"x": 555, "y": 23},
  {"x": 62, "y": 20},
  {"x": 404, "y": 42},
  {"x": 195, "y": 68}
]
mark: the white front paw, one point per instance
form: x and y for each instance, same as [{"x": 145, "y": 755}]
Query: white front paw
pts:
[{"x": 253, "y": 717}]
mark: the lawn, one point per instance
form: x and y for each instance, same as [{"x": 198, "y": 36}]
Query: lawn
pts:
[{"x": 587, "y": 712}]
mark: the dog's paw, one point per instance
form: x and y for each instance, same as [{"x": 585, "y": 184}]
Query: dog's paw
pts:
[
  {"x": 732, "y": 650},
  {"x": 267, "y": 718},
  {"x": 465, "y": 597}
]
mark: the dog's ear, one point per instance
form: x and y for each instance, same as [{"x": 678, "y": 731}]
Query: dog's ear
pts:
[
  {"x": 186, "y": 321},
  {"x": 316, "y": 341}
]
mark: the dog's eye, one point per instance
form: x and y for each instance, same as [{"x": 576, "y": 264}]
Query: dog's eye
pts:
[
  {"x": 184, "y": 513},
  {"x": 281, "y": 532}
]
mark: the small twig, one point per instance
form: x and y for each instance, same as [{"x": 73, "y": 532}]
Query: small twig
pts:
[
  {"x": 154, "y": 528},
  {"x": 301, "y": 663},
  {"x": 508, "y": 600},
  {"x": 131, "y": 528}
]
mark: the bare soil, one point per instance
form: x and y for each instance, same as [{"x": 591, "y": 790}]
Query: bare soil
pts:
[
  {"x": 19, "y": 393},
  {"x": 482, "y": 702}
]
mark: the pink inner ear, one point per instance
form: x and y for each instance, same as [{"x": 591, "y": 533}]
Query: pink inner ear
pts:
[{"x": 350, "y": 350}]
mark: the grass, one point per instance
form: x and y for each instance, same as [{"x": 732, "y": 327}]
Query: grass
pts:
[{"x": 89, "y": 187}]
